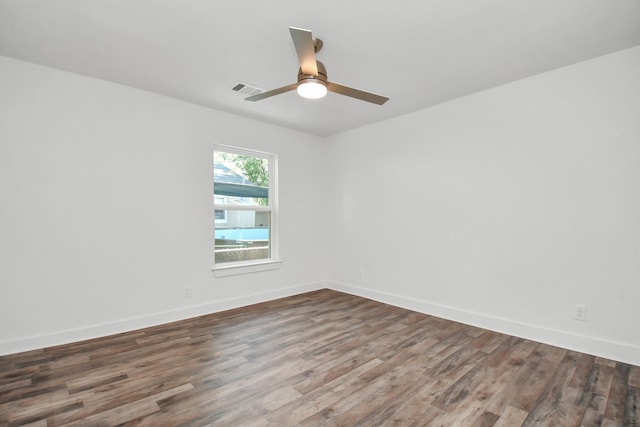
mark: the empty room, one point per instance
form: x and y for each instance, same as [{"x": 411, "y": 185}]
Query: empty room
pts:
[{"x": 289, "y": 213}]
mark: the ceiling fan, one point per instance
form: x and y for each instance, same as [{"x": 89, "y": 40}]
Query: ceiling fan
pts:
[{"x": 312, "y": 75}]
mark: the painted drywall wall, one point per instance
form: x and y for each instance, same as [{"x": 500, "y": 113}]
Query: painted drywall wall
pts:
[
  {"x": 504, "y": 208},
  {"x": 501, "y": 209},
  {"x": 105, "y": 213}
]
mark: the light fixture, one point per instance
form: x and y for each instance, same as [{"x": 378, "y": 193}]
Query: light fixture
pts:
[{"x": 312, "y": 88}]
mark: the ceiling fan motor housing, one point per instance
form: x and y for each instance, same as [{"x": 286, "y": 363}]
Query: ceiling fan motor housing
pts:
[{"x": 322, "y": 75}]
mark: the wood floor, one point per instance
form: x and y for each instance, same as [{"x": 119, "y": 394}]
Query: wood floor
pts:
[{"x": 321, "y": 358}]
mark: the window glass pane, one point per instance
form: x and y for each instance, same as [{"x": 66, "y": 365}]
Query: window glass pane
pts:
[
  {"x": 245, "y": 236},
  {"x": 220, "y": 215},
  {"x": 240, "y": 179}
]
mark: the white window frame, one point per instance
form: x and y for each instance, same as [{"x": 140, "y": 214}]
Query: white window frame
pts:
[{"x": 273, "y": 262}]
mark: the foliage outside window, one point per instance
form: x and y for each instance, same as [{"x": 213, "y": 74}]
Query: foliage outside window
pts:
[{"x": 244, "y": 207}]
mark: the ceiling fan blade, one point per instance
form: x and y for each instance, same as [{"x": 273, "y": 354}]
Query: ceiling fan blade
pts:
[
  {"x": 271, "y": 93},
  {"x": 305, "y": 48},
  {"x": 355, "y": 93}
]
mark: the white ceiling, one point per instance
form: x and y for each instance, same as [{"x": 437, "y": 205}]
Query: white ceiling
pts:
[{"x": 418, "y": 53}]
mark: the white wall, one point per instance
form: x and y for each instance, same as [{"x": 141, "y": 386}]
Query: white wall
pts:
[
  {"x": 522, "y": 201},
  {"x": 519, "y": 201},
  {"x": 105, "y": 208}
]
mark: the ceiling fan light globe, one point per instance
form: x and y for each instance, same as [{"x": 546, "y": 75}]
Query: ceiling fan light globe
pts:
[{"x": 312, "y": 89}]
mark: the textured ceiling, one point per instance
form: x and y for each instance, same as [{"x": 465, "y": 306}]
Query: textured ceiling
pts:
[{"x": 418, "y": 53}]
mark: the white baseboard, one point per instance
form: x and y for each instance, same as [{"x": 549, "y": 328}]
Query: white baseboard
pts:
[
  {"x": 622, "y": 352},
  {"x": 154, "y": 319}
]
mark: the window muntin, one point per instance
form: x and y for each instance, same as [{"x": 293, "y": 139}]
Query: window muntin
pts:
[{"x": 244, "y": 207}]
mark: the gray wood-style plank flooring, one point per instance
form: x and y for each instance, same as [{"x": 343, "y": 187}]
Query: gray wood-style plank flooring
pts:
[{"x": 320, "y": 358}]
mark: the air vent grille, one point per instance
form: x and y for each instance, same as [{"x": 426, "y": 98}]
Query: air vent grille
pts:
[{"x": 247, "y": 89}]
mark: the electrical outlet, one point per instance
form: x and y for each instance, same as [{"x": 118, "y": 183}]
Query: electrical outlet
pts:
[
  {"x": 361, "y": 275},
  {"x": 580, "y": 312},
  {"x": 187, "y": 292}
]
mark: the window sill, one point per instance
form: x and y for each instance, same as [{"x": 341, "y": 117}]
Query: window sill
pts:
[{"x": 232, "y": 270}]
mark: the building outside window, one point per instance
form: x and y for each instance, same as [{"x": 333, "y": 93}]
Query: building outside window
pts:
[
  {"x": 220, "y": 215},
  {"x": 244, "y": 203}
]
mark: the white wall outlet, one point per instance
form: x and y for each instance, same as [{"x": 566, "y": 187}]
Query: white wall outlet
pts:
[
  {"x": 361, "y": 275},
  {"x": 580, "y": 312},
  {"x": 187, "y": 292}
]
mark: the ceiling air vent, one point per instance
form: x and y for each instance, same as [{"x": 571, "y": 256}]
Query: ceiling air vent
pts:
[{"x": 247, "y": 89}]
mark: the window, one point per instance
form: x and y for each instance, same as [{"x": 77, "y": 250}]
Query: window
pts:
[{"x": 244, "y": 205}]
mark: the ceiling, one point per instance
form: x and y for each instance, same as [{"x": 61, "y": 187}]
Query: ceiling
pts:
[{"x": 418, "y": 53}]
